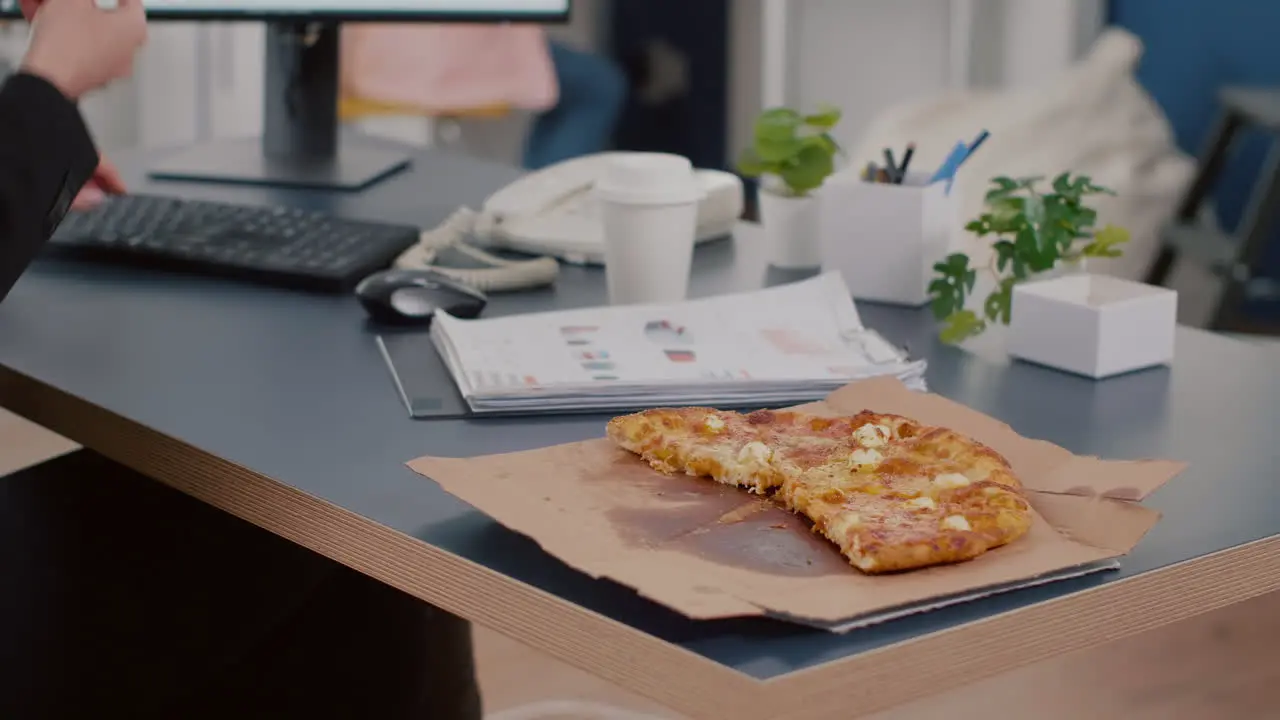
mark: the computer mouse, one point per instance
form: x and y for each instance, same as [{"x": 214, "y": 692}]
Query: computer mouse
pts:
[{"x": 411, "y": 297}]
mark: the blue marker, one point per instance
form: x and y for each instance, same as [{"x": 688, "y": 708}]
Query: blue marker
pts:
[
  {"x": 958, "y": 156},
  {"x": 948, "y": 168}
]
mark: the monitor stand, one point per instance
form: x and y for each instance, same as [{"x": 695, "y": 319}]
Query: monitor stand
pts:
[{"x": 300, "y": 144}]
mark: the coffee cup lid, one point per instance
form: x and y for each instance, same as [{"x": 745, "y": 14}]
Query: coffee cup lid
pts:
[{"x": 649, "y": 179}]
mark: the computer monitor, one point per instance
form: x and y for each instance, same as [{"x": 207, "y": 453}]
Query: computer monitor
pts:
[
  {"x": 348, "y": 10},
  {"x": 300, "y": 145}
]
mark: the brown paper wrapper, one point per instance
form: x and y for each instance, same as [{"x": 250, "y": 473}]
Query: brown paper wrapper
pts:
[{"x": 710, "y": 551}]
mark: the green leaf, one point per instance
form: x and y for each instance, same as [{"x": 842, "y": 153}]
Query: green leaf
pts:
[
  {"x": 825, "y": 118},
  {"x": 808, "y": 169},
  {"x": 1033, "y": 208},
  {"x": 1006, "y": 254},
  {"x": 1029, "y": 182},
  {"x": 981, "y": 226},
  {"x": 1107, "y": 242},
  {"x": 1026, "y": 247},
  {"x": 941, "y": 302},
  {"x": 1006, "y": 187},
  {"x": 960, "y": 326},
  {"x": 954, "y": 282},
  {"x": 777, "y": 152},
  {"x": 777, "y": 125},
  {"x": 1091, "y": 189},
  {"x": 1007, "y": 215},
  {"x": 1073, "y": 190},
  {"x": 1064, "y": 224},
  {"x": 1000, "y": 302},
  {"x": 750, "y": 164},
  {"x": 1062, "y": 183},
  {"x": 822, "y": 140},
  {"x": 959, "y": 263},
  {"x": 1055, "y": 238},
  {"x": 1085, "y": 218}
]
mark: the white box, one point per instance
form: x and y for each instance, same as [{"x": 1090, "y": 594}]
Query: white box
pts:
[
  {"x": 1092, "y": 325},
  {"x": 883, "y": 238}
]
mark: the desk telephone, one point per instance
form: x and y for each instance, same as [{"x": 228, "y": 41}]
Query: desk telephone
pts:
[{"x": 553, "y": 212}]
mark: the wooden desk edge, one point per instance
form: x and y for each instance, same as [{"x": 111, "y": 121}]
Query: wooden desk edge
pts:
[{"x": 680, "y": 679}]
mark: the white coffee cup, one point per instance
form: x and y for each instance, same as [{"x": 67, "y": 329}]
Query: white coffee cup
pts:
[{"x": 649, "y": 207}]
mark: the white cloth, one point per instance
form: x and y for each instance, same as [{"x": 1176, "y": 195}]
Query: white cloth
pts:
[{"x": 1094, "y": 120}]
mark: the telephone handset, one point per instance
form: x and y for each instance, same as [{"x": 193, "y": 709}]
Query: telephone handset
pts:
[{"x": 553, "y": 212}]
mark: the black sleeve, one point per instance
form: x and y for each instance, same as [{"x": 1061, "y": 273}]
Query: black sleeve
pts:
[{"x": 46, "y": 157}]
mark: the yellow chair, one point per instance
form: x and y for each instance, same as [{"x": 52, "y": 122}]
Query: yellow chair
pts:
[
  {"x": 353, "y": 109},
  {"x": 445, "y": 122}
]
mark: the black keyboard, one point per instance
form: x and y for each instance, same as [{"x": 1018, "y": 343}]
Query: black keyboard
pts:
[{"x": 276, "y": 246}]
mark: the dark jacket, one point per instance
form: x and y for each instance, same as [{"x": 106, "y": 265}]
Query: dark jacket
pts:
[{"x": 46, "y": 157}]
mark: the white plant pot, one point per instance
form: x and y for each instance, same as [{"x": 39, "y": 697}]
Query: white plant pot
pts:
[
  {"x": 1092, "y": 325},
  {"x": 791, "y": 230}
]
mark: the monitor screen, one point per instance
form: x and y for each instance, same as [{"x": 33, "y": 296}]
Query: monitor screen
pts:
[{"x": 426, "y": 10}]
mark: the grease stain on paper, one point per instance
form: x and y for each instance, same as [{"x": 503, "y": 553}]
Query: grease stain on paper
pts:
[{"x": 724, "y": 525}]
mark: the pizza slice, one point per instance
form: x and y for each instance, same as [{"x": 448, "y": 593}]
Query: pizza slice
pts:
[
  {"x": 722, "y": 445},
  {"x": 891, "y": 493},
  {"x": 934, "y": 498}
]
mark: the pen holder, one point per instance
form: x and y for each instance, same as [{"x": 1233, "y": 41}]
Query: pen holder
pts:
[{"x": 885, "y": 238}]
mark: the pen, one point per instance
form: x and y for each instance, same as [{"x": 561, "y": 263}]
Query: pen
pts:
[
  {"x": 906, "y": 161},
  {"x": 890, "y": 165},
  {"x": 977, "y": 143}
]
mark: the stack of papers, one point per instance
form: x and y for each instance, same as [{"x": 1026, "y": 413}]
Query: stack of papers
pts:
[{"x": 784, "y": 345}]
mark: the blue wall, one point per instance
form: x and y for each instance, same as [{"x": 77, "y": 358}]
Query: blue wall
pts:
[{"x": 1194, "y": 47}]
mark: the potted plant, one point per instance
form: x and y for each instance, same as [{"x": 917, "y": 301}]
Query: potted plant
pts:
[
  {"x": 1036, "y": 235},
  {"x": 791, "y": 154}
]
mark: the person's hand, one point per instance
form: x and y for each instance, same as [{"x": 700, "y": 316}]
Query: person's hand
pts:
[
  {"x": 106, "y": 181},
  {"x": 80, "y": 48}
]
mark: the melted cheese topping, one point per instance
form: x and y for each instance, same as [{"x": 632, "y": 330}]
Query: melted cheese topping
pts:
[
  {"x": 865, "y": 562},
  {"x": 956, "y": 522},
  {"x": 714, "y": 423},
  {"x": 842, "y": 524},
  {"x": 949, "y": 481},
  {"x": 924, "y": 501},
  {"x": 872, "y": 435},
  {"x": 755, "y": 451},
  {"x": 863, "y": 458}
]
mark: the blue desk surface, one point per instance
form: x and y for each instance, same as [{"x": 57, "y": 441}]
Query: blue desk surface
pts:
[{"x": 292, "y": 386}]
